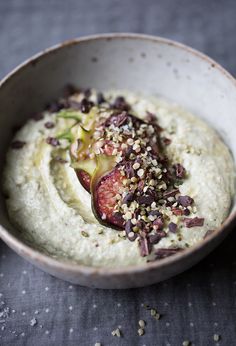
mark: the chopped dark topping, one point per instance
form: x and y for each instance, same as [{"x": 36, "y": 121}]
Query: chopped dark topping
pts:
[
  {"x": 129, "y": 197},
  {"x": 17, "y": 144},
  {"x": 194, "y": 222},
  {"x": 87, "y": 93},
  {"x": 49, "y": 125},
  {"x": 54, "y": 107},
  {"x": 145, "y": 247},
  {"x": 69, "y": 90},
  {"x": 152, "y": 119},
  {"x": 155, "y": 238},
  {"x": 86, "y": 105},
  {"x": 186, "y": 212},
  {"x": 172, "y": 227},
  {"x": 163, "y": 253},
  {"x": 145, "y": 200},
  {"x": 177, "y": 211},
  {"x": 100, "y": 98},
  {"x": 117, "y": 119},
  {"x": 128, "y": 169},
  {"x": 158, "y": 224},
  {"x": 154, "y": 213},
  {"x": 166, "y": 141},
  {"x": 179, "y": 171},
  {"x": 120, "y": 103},
  {"x": 53, "y": 141},
  {"x": 185, "y": 201},
  {"x": 128, "y": 227}
]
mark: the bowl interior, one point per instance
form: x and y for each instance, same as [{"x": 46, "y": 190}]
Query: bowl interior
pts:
[{"x": 148, "y": 65}]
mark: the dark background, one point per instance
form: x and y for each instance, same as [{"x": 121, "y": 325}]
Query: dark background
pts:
[{"x": 195, "y": 305}]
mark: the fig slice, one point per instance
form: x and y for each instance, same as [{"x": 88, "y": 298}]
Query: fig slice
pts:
[
  {"x": 84, "y": 179},
  {"x": 84, "y": 170},
  {"x": 106, "y": 184}
]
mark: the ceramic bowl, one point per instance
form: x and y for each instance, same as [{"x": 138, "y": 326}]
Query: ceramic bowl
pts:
[{"x": 125, "y": 61}]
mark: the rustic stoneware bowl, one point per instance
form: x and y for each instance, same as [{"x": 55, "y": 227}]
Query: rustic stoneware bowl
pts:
[{"x": 140, "y": 63}]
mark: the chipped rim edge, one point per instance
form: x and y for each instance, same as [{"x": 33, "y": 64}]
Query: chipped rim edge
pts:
[{"x": 43, "y": 259}]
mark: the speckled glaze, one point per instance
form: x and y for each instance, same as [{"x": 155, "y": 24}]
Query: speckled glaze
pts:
[{"x": 138, "y": 63}]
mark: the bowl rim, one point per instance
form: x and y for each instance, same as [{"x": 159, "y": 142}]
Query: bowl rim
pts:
[{"x": 61, "y": 264}]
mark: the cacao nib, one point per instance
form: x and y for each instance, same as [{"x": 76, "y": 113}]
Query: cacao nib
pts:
[
  {"x": 86, "y": 105},
  {"x": 177, "y": 211},
  {"x": 150, "y": 117},
  {"x": 186, "y": 212},
  {"x": 166, "y": 141},
  {"x": 129, "y": 151},
  {"x": 161, "y": 233},
  {"x": 163, "y": 253},
  {"x": 120, "y": 103},
  {"x": 141, "y": 224},
  {"x": 128, "y": 227},
  {"x": 49, "y": 125},
  {"x": 87, "y": 93},
  {"x": 194, "y": 222},
  {"x": 154, "y": 213},
  {"x": 17, "y": 144},
  {"x": 179, "y": 171},
  {"x": 172, "y": 227},
  {"x": 145, "y": 246},
  {"x": 100, "y": 98},
  {"x": 129, "y": 171},
  {"x": 69, "y": 90},
  {"x": 155, "y": 238},
  {"x": 117, "y": 119},
  {"x": 54, "y": 107},
  {"x": 140, "y": 185},
  {"x": 53, "y": 141},
  {"x": 158, "y": 223},
  {"x": 146, "y": 199},
  {"x": 128, "y": 198},
  {"x": 185, "y": 201},
  {"x": 129, "y": 231},
  {"x": 117, "y": 216}
]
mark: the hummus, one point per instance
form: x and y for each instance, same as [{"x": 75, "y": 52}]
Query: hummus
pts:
[{"x": 53, "y": 211}]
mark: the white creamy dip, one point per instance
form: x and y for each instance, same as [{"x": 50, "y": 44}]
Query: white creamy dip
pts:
[{"x": 51, "y": 208}]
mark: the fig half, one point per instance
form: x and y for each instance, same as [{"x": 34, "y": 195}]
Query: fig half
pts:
[{"x": 105, "y": 185}]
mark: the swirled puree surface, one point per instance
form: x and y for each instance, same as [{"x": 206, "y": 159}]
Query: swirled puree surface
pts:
[{"x": 156, "y": 197}]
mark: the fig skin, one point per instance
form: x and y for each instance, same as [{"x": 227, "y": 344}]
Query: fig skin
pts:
[{"x": 84, "y": 179}]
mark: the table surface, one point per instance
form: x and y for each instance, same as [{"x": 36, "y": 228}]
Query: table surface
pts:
[{"x": 37, "y": 309}]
